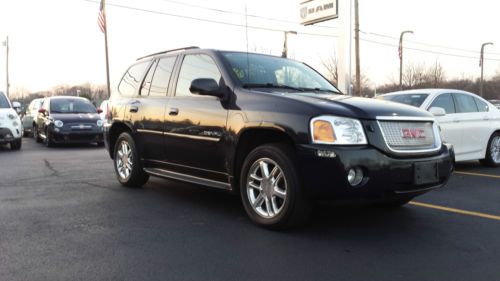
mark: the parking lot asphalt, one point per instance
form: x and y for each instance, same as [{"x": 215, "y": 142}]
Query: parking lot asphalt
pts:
[{"x": 63, "y": 216}]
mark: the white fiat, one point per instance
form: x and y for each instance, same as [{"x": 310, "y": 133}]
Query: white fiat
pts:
[
  {"x": 11, "y": 130},
  {"x": 470, "y": 123}
]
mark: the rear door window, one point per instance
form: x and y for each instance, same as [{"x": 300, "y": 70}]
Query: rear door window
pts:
[
  {"x": 481, "y": 105},
  {"x": 161, "y": 78},
  {"x": 465, "y": 103},
  {"x": 147, "y": 81}
]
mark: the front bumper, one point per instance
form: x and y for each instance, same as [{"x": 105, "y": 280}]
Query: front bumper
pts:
[
  {"x": 7, "y": 136},
  {"x": 69, "y": 137},
  {"x": 385, "y": 176}
]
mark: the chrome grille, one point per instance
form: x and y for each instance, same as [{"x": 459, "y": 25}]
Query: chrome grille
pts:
[{"x": 393, "y": 132}]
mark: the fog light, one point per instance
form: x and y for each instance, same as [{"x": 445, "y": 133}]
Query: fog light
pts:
[
  {"x": 355, "y": 176},
  {"x": 56, "y": 130}
]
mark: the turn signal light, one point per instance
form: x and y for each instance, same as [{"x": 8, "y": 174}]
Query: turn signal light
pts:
[{"x": 323, "y": 131}]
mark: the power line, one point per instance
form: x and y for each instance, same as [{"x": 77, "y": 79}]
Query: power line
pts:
[
  {"x": 425, "y": 44},
  {"x": 239, "y": 14},
  {"x": 206, "y": 20},
  {"x": 426, "y": 51}
]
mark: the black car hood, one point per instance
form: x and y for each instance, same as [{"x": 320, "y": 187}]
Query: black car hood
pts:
[
  {"x": 76, "y": 117},
  {"x": 356, "y": 107}
]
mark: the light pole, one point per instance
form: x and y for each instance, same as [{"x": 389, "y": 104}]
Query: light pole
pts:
[
  {"x": 481, "y": 64},
  {"x": 285, "y": 44},
  {"x": 6, "y": 44},
  {"x": 401, "y": 57}
]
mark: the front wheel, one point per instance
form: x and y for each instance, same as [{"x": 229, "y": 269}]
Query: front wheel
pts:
[
  {"x": 270, "y": 189},
  {"x": 36, "y": 136},
  {"x": 16, "y": 145},
  {"x": 492, "y": 158},
  {"x": 127, "y": 164},
  {"x": 48, "y": 139}
]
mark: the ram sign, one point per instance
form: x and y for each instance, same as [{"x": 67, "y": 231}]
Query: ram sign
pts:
[{"x": 314, "y": 11}]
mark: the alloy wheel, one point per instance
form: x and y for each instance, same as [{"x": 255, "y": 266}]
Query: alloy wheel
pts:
[
  {"x": 266, "y": 188},
  {"x": 495, "y": 149},
  {"x": 123, "y": 160}
]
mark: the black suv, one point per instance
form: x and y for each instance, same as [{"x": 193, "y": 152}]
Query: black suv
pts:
[{"x": 271, "y": 129}]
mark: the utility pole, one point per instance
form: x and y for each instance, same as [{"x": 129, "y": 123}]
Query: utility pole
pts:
[
  {"x": 401, "y": 58},
  {"x": 284, "y": 54},
  {"x": 481, "y": 64},
  {"x": 356, "y": 39},
  {"x": 6, "y": 44}
]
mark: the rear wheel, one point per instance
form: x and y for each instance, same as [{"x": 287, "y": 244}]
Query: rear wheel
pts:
[
  {"x": 492, "y": 158},
  {"x": 270, "y": 189},
  {"x": 16, "y": 145},
  {"x": 36, "y": 136},
  {"x": 128, "y": 167}
]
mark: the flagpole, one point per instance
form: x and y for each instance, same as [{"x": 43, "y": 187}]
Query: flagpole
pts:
[
  {"x": 7, "y": 66},
  {"x": 106, "y": 48}
]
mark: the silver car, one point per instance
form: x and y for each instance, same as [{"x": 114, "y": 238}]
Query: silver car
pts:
[{"x": 30, "y": 115}]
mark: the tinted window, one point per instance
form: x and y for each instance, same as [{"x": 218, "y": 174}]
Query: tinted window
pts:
[
  {"x": 413, "y": 99},
  {"x": 446, "y": 102},
  {"x": 161, "y": 77},
  {"x": 35, "y": 105},
  {"x": 4, "y": 103},
  {"x": 465, "y": 103},
  {"x": 71, "y": 105},
  {"x": 481, "y": 105},
  {"x": 195, "y": 67},
  {"x": 147, "y": 81},
  {"x": 132, "y": 79}
]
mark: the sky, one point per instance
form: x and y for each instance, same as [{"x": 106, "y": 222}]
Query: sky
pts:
[{"x": 54, "y": 42}]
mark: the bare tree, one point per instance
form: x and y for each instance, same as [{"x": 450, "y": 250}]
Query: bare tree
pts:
[
  {"x": 331, "y": 66},
  {"x": 414, "y": 75},
  {"x": 435, "y": 75}
]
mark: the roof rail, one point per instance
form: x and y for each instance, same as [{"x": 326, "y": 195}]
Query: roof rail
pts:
[{"x": 168, "y": 51}]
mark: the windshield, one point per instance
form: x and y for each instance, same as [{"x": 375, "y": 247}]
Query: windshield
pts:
[
  {"x": 261, "y": 71},
  {"x": 4, "y": 103},
  {"x": 413, "y": 99},
  {"x": 69, "y": 105}
]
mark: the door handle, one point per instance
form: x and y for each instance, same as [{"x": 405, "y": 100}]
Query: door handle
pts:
[
  {"x": 456, "y": 120},
  {"x": 173, "y": 111},
  {"x": 134, "y": 108},
  {"x": 486, "y": 118}
]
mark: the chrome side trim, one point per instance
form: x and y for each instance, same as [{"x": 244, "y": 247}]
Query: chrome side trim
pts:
[
  {"x": 187, "y": 178},
  {"x": 192, "y": 137},
  {"x": 149, "y": 131},
  {"x": 435, "y": 129},
  {"x": 185, "y": 166}
]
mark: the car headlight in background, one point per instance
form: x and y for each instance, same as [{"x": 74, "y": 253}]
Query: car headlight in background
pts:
[
  {"x": 11, "y": 116},
  {"x": 99, "y": 123},
  {"x": 58, "y": 123},
  {"x": 337, "y": 130}
]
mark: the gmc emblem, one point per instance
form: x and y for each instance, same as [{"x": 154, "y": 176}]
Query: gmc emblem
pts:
[{"x": 412, "y": 133}]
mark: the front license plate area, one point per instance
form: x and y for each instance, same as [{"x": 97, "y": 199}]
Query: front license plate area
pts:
[{"x": 425, "y": 173}]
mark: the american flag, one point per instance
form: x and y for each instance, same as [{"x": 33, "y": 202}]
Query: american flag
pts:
[
  {"x": 481, "y": 58},
  {"x": 101, "y": 19},
  {"x": 400, "y": 49}
]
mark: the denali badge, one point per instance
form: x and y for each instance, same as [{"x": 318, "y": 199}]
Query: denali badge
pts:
[{"x": 412, "y": 133}]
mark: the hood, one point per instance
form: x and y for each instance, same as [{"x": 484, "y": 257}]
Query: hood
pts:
[
  {"x": 355, "y": 107},
  {"x": 76, "y": 117}
]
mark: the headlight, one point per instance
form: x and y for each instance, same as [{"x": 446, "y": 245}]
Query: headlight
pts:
[
  {"x": 11, "y": 116},
  {"x": 99, "y": 123},
  {"x": 337, "y": 130},
  {"x": 58, "y": 123}
]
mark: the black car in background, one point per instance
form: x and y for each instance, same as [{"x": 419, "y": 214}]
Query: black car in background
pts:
[
  {"x": 270, "y": 129},
  {"x": 64, "y": 119}
]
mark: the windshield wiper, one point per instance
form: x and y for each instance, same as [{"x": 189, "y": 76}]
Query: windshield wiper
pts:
[
  {"x": 319, "y": 90},
  {"x": 271, "y": 86}
]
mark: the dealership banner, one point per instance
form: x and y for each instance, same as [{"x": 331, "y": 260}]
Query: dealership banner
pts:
[{"x": 314, "y": 11}]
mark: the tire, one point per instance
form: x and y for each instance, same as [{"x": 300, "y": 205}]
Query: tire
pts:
[
  {"x": 492, "y": 157},
  {"x": 275, "y": 202},
  {"x": 36, "y": 136},
  {"x": 48, "y": 139},
  {"x": 16, "y": 145},
  {"x": 131, "y": 175}
]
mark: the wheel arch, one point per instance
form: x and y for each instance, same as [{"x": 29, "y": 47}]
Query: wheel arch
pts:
[{"x": 114, "y": 132}]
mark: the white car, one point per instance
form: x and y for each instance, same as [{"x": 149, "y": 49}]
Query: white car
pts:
[
  {"x": 470, "y": 123},
  {"x": 11, "y": 129}
]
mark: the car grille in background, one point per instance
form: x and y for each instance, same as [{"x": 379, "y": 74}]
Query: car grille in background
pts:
[
  {"x": 393, "y": 132},
  {"x": 80, "y": 127}
]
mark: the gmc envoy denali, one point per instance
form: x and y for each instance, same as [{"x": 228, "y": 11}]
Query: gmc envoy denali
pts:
[{"x": 270, "y": 129}]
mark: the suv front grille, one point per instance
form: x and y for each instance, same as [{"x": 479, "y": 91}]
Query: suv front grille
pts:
[{"x": 404, "y": 136}]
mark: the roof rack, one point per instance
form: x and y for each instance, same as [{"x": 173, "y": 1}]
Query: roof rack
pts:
[{"x": 168, "y": 51}]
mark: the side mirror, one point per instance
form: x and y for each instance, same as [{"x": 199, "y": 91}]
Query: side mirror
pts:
[
  {"x": 17, "y": 106},
  {"x": 206, "y": 87},
  {"x": 437, "y": 111},
  {"x": 99, "y": 111},
  {"x": 42, "y": 110}
]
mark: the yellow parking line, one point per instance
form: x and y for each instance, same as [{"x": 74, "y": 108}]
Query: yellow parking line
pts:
[
  {"x": 477, "y": 174},
  {"x": 458, "y": 211}
]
